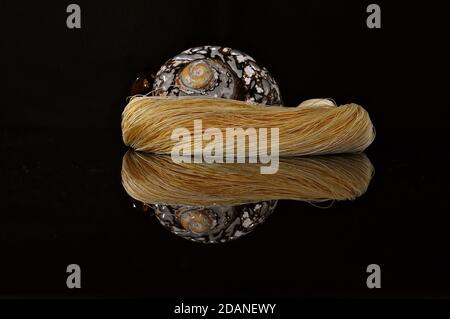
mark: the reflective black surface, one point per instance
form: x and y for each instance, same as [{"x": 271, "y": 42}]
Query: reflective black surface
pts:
[
  {"x": 64, "y": 203},
  {"x": 61, "y": 154}
]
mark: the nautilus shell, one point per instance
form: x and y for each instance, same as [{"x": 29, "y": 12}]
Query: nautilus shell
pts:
[{"x": 218, "y": 72}]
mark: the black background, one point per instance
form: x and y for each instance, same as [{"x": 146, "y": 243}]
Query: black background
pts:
[{"x": 61, "y": 150}]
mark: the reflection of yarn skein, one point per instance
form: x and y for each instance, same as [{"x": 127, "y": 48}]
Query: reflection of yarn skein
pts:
[{"x": 156, "y": 179}]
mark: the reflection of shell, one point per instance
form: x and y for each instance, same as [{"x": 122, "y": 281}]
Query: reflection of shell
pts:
[
  {"x": 216, "y": 224},
  {"x": 218, "y": 72},
  {"x": 196, "y": 221}
]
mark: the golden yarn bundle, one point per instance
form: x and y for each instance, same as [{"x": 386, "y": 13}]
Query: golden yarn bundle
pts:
[{"x": 314, "y": 127}]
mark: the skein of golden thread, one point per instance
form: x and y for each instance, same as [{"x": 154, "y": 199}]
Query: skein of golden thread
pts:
[
  {"x": 156, "y": 179},
  {"x": 309, "y": 129}
]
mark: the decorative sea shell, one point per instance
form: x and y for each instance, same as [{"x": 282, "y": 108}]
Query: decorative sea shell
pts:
[{"x": 218, "y": 72}]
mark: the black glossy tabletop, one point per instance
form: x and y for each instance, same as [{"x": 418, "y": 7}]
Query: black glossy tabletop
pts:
[{"x": 61, "y": 153}]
